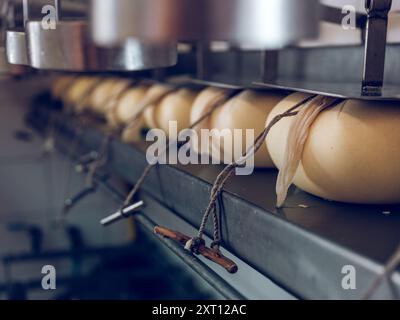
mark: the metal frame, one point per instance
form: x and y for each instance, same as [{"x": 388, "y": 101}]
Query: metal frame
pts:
[
  {"x": 189, "y": 24},
  {"x": 293, "y": 247},
  {"x": 69, "y": 48}
]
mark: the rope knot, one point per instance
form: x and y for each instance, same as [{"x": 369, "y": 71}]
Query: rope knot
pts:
[
  {"x": 215, "y": 246},
  {"x": 193, "y": 245}
]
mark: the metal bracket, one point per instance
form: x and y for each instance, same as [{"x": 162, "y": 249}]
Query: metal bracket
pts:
[{"x": 375, "y": 46}]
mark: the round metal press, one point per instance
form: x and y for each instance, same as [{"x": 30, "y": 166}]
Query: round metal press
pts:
[
  {"x": 68, "y": 47},
  {"x": 262, "y": 24}
]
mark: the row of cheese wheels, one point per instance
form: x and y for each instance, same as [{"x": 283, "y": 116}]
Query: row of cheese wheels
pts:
[{"x": 352, "y": 153}]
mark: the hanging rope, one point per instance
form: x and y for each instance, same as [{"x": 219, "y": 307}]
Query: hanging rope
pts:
[
  {"x": 297, "y": 137},
  {"x": 101, "y": 159},
  {"x": 194, "y": 243},
  {"x": 113, "y": 104},
  {"x": 388, "y": 270},
  {"x": 217, "y": 102},
  {"x": 77, "y": 139}
]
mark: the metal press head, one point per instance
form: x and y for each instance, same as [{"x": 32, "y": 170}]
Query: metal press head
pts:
[
  {"x": 66, "y": 45},
  {"x": 271, "y": 24},
  {"x": 69, "y": 47}
]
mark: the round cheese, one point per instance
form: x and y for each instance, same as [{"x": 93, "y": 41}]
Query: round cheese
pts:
[
  {"x": 127, "y": 107},
  {"x": 104, "y": 93},
  {"x": 352, "y": 153},
  {"x": 248, "y": 110},
  {"x": 203, "y": 105},
  {"x": 78, "y": 91},
  {"x": 60, "y": 85},
  {"x": 175, "y": 107},
  {"x": 149, "y": 113}
]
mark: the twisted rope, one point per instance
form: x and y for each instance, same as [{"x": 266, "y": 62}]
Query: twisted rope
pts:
[
  {"x": 226, "y": 174},
  {"x": 215, "y": 104},
  {"x": 389, "y": 268},
  {"x": 100, "y": 160}
]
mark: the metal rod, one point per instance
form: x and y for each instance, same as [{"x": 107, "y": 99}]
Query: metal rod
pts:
[
  {"x": 212, "y": 278},
  {"x": 57, "y": 5},
  {"x": 122, "y": 214},
  {"x": 25, "y": 11},
  {"x": 375, "y": 46}
]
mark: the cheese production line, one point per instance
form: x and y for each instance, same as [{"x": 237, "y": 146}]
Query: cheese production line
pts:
[{"x": 180, "y": 48}]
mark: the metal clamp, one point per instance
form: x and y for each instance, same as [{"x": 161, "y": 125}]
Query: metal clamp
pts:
[
  {"x": 124, "y": 213},
  {"x": 375, "y": 46}
]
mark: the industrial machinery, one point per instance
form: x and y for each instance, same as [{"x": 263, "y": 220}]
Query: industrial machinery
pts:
[{"x": 329, "y": 48}]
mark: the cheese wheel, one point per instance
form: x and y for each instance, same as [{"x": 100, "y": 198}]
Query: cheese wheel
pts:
[
  {"x": 78, "y": 91},
  {"x": 175, "y": 107},
  {"x": 352, "y": 153},
  {"x": 202, "y": 105},
  {"x": 60, "y": 85},
  {"x": 132, "y": 133},
  {"x": 127, "y": 107},
  {"x": 149, "y": 113},
  {"x": 248, "y": 110},
  {"x": 104, "y": 93}
]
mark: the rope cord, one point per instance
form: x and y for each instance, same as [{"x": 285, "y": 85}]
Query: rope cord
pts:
[
  {"x": 226, "y": 174},
  {"x": 215, "y": 104},
  {"x": 389, "y": 268},
  {"x": 100, "y": 161}
]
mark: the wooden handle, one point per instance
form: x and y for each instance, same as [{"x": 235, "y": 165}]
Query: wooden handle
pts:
[{"x": 206, "y": 252}]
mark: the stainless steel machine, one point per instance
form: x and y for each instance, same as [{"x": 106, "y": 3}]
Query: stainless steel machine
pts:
[{"x": 274, "y": 44}]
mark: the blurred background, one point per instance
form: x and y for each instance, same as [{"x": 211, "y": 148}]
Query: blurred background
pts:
[{"x": 91, "y": 262}]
